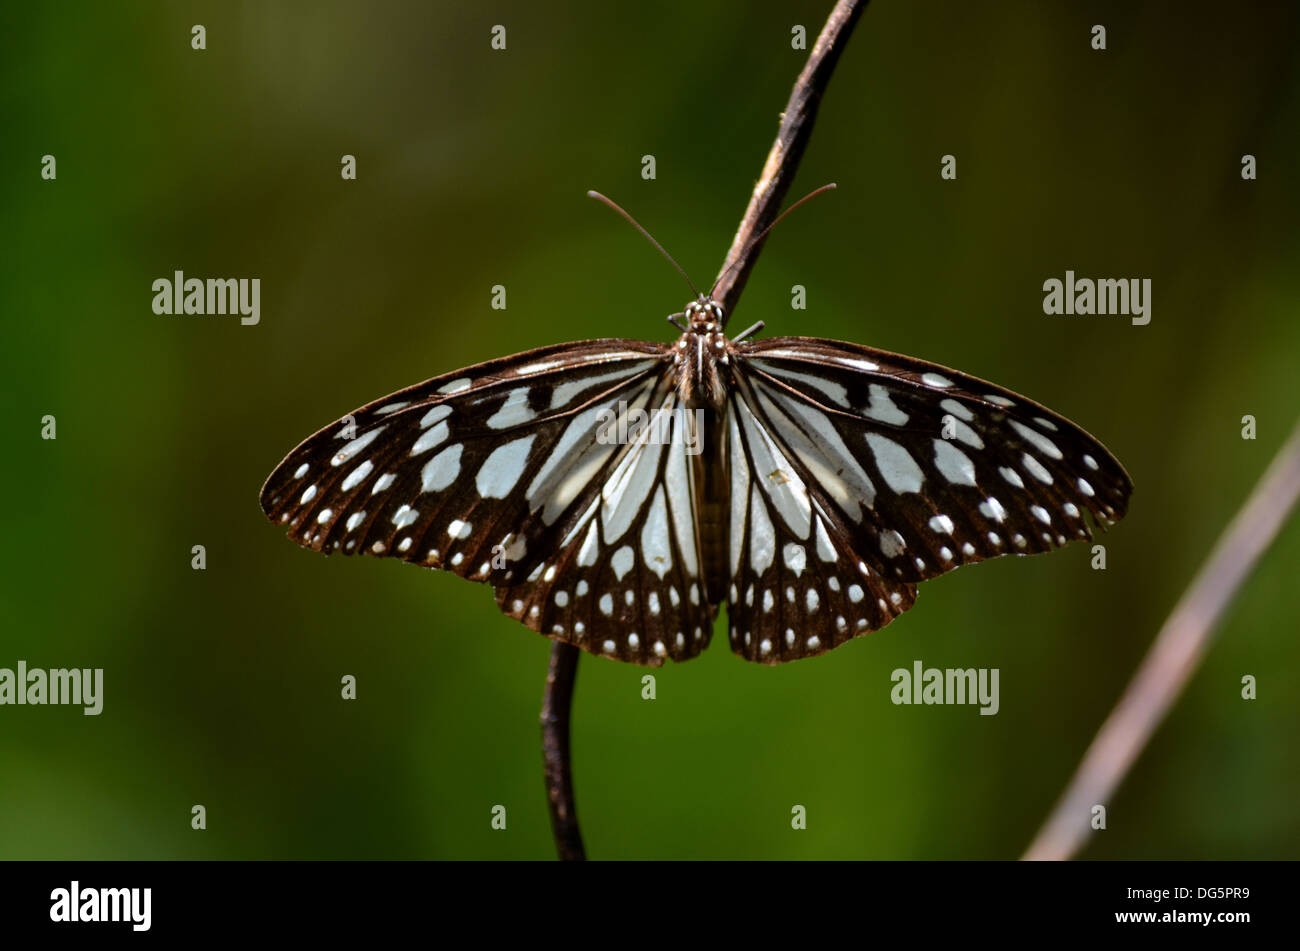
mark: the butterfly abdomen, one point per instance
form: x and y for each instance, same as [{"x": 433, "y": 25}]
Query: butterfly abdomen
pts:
[{"x": 712, "y": 496}]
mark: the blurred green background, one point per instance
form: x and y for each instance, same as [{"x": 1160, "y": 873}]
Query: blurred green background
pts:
[{"x": 222, "y": 686}]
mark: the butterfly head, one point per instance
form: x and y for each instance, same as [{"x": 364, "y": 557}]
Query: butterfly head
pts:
[{"x": 704, "y": 316}]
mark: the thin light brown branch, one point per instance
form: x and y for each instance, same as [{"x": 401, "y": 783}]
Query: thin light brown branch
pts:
[
  {"x": 778, "y": 173},
  {"x": 1173, "y": 657},
  {"x": 783, "y": 158}
]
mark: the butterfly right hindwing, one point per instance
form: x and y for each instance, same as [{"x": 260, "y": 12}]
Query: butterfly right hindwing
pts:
[{"x": 798, "y": 586}]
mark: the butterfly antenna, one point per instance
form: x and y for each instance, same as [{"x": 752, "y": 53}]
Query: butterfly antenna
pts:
[
  {"x": 649, "y": 237},
  {"x": 763, "y": 234}
]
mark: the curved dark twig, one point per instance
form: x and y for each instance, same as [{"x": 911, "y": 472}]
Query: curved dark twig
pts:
[
  {"x": 556, "y": 704},
  {"x": 786, "y": 152}
]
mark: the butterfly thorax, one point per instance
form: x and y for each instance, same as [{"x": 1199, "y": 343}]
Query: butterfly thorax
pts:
[{"x": 701, "y": 357}]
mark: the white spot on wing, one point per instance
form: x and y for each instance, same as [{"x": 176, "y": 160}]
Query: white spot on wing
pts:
[
  {"x": 967, "y": 435},
  {"x": 795, "y": 558},
  {"x": 1035, "y": 469},
  {"x": 357, "y": 475},
  {"x": 514, "y": 411},
  {"x": 825, "y": 550},
  {"x": 405, "y": 516},
  {"x": 896, "y": 465},
  {"x": 854, "y": 363},
  {"x": 435, "y": 415},
  {"x": 622, "y": 561},
  {"x": 953, "y": 464},
  {"x": 957, "y": 409},
  {"x": 1037, "y": 439},
  {"x": 501, "y": 470},
  {"x": 992, "y": 508},
  {"x": 829, "y": 388},
  {"x": 739, "y": 493},
  {"x": 441, "y": 471},
  {"x": 881, "y": 407},
  {"x": 564, "y": 392},
  {"x": 430, "y": 438},
  {"x": 655, "y": 550},
  {"x": 355, "y": 446},
  {"x": 590, "y": 548},
  {"x": 762, "y": 538}
]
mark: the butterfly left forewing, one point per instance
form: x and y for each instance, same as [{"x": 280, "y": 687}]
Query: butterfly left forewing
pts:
[{"x": 439, "y": 473}]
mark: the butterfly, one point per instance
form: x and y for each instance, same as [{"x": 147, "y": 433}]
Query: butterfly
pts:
[{"x": 615, "y": 492}]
